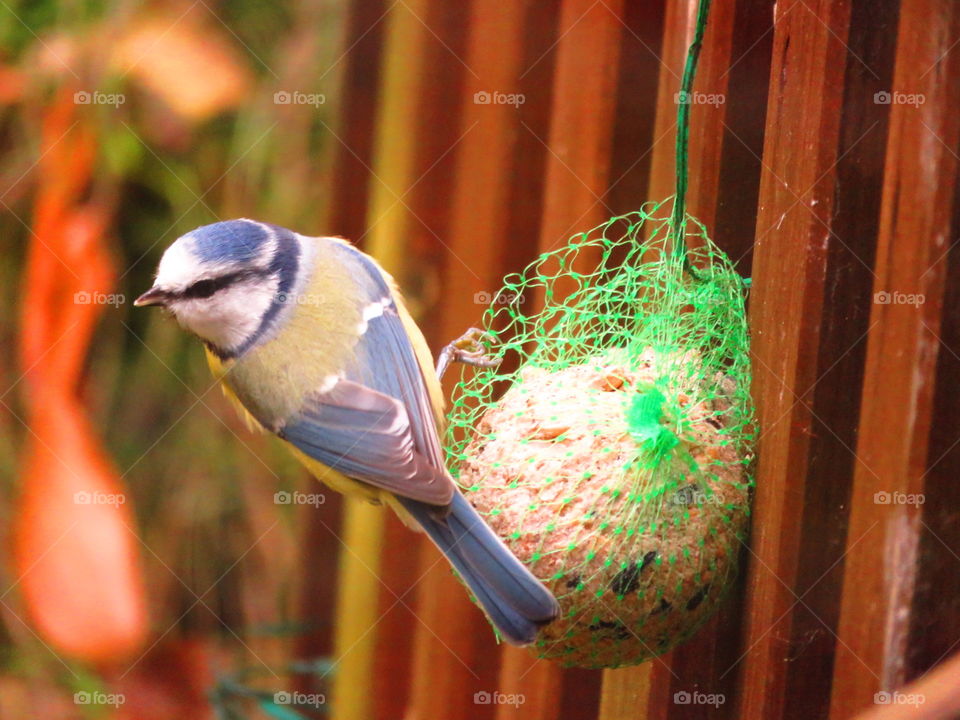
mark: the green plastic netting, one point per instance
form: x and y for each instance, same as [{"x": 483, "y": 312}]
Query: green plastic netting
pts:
[{"x": 612, "y": 447}]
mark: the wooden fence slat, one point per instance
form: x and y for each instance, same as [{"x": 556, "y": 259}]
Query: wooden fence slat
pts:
[
  {"x": 633, "y": 132},
  {"x": 678, "y": 25},
  {"x": 577, "y": 173},
  {"x": 701, "y": 664},
  {"x": 693, "y": 666},
  {"x": 841, "y": 352},
  {"x": 789, "y": 267},
  {"x": 482, "y": 235},
  {"x": 360, "y": 82},
  {"x": 678, "y": 29},
  {"x": 582, "y": 119},
  {"x": 452, "y": 651},
  {"x": 917, "y": 214},
  {"x": 624, "y": 692},
  {"x": 345, "y": 215},
  {"x": 357, "y": 603},
  {"x": 404, "y": 224}
]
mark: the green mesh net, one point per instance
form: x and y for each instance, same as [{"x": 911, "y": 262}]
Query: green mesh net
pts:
[{"x": 611, "y": 449}]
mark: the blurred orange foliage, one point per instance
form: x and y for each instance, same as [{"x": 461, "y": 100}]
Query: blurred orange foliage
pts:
[
  {"x": 186, "y": 62},
  {"x": 75, "y": 549}
]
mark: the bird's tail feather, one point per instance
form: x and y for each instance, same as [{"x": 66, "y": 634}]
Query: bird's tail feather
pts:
[{"x": 516, "y": 602}]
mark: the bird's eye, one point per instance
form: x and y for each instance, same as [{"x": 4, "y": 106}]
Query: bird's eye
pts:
[{"x": 202, "y": 289}]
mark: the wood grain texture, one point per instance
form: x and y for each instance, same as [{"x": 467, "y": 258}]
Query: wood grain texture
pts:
[
  {"x": 577, "y": 173},
  {"x": 582, "y": 118},
  {"x": 678, "y": 30},
  {"x": 357, "y": 604},
  {"x": 916, "y": 220},
  {"x": 793, "y": 237},
  {"x": 452, "y": 652},
  {"x": 696, "y": 665},
  {"x": 360, "y": 82}
]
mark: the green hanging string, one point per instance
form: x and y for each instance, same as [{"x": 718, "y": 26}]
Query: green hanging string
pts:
[{"x": 683, "y": 129}]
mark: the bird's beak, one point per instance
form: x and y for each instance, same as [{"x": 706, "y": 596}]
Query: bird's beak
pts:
[{"x": 153, "y": 296}]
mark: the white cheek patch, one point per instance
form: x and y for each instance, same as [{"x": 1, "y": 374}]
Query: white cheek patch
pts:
[{"x": 231, "y": 315}]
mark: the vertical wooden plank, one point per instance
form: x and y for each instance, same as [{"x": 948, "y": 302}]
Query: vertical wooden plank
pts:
[
  {"x": 500, "y": 162},
  {"x": 453, "y": 655},
  {"x": 734, "y": 30},
  {"x": 698, "y": 665},
  {"x": 580, "y": 141},
  {"x": 935, "y": 625},
  {"x": 357, "y": 602},
  {"x": 633, "y": 138},
  {"x": 636, "y": 142},
  {"x": 624, "y": 693},
  {"x": 898, "y": 394},
  {"x": 727, "y": 138},
  {"x": 834, "y": 399},
  {"x": 479, "y": 230},
  {"x": 358, "y": 64},
  {"x": 412, "y": 141},
  {"x": 654, "y": 677},
  {"x": 318, "y": 591},
  {"x": 797, "y": 194},
  {"x": 359, "y": 70},
  {"x": 577, "y": 174},
  {"x": 396, "y": 620}
]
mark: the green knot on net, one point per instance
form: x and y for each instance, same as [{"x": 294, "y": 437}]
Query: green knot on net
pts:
[{"x": 648, "y": 425}]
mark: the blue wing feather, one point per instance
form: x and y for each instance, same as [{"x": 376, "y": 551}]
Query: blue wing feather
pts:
[{"x": 376, "y": 424}]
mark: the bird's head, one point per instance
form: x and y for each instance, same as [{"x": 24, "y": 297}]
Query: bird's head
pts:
[{"x": 225, "y": 282}]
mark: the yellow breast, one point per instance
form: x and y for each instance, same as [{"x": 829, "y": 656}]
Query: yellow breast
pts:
[{"x": 337, "y": 481}]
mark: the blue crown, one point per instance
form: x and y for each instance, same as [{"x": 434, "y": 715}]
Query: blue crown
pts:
[{"x": 238, "y": 241}]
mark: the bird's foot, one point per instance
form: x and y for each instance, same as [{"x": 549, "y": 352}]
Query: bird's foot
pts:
[{"x": 468, "y": 349}]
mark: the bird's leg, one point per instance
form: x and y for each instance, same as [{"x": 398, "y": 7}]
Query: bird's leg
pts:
[{"x": 467, "y": 349}]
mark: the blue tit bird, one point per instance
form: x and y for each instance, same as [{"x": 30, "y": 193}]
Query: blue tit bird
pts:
[{"x": 310, "y": 339}]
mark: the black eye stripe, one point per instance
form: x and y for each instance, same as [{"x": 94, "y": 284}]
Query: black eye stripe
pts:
[{"x": 207, "y": 287}]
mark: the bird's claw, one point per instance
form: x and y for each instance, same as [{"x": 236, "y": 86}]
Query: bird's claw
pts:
[{"x": 468, "y": 349}]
